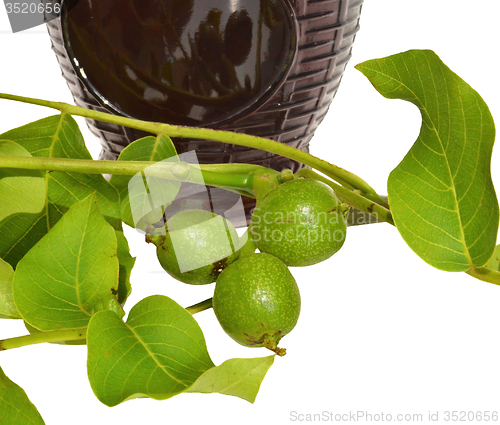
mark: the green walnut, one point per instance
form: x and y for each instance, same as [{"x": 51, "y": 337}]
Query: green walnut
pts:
[
  {"x": 257, "y": 301},
  {"x": 301, "y": 222},
  {"x": 197, "y": 246}
]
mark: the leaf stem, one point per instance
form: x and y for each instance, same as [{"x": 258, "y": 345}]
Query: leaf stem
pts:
[
  {"x": 249, "y": 246},
  {"x": 485, "y": 274},
  {"x": 196, "y": 308},
  {"x": 41, "y": 337},
  {"x": 171, "y": 171},
  {"x": 86, "y": 166},
  {"x": 340, "y": 175},
  {"x": 352, "y": 198}
]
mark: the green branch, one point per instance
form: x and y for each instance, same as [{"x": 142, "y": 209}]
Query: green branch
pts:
[
  {"x": 41, "y": 337},
  {"x": 249, "y": 246},
  {"x": 485, "y": 274},
  {"x": 338, "y": 174},
  {"x": 170, "y": 171},
  {"x": 201, "y": 306},
  {"x": 78, "y": 334},
  {"x": 354, "y": 199}
]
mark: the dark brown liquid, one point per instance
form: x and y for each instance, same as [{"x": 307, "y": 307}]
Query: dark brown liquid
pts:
[{"x": 186, "y": 62}]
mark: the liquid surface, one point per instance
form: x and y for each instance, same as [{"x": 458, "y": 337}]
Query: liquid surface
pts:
[{"x": 186, "y": 62}]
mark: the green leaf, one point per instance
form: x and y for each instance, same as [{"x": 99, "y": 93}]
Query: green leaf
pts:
[
  {"x": 71, "y": 273},
  {"x": 21, "y": 191},
  {"x": 126, "y": 262},
  {"x": 236, "y": 377},
  {"x": 494, "y": 262},
  {"x": 56, "y": 137},
  {"x": 159, "y": 352},
  {"x": 19, "y": 232},
  {"x": 441, "y": 194},
  {"x": 15, "y": 407},
  {"x": 66, "y": 189},
  {"x": 8, "y": 308},
  {"x": 149, "y": 148}
]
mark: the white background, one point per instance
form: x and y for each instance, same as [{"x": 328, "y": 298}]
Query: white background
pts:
[{"x": 380, "y": 331}]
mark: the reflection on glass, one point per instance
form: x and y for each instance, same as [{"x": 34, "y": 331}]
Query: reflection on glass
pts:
[{"x": 181, "y": 61}]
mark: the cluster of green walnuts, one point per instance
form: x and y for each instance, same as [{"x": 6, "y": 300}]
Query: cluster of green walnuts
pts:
[{"x": 256, "y": 299}]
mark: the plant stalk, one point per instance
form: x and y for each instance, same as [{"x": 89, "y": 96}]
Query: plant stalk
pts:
[
  {"x": 167, "y": 170},
  {"x": 352, "y": 198},
  {"x": 485, "y": 274},
  {"x": 340, "y": 175},
  {"x": 39, "y": 338},
  {"x": 72, "y": 334},
  {"x": 249, "y": 246},
  {"x": 196, "y": 308}
]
